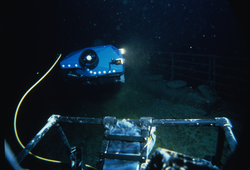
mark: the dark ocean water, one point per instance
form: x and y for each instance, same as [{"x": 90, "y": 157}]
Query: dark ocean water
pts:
[{"x": 34, "y": 32}]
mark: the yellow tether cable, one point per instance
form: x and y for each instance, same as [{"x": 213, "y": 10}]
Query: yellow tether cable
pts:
[
  {"x": 18, "y": 106},
  {"x": 15, "y": 118}
]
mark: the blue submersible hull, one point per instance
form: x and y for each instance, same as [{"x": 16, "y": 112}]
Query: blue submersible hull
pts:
[{"x": 94, "y": 65}]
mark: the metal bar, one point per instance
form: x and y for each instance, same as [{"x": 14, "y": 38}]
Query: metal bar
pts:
[
  {"x": 165, "y": 59},
  {"x": 222, "y": 122},
  {"x": 124, "y": 157},
  {"x": 172, "y": 56},
  {"x": 227, "y": 127},
  {"x": 230, "y": 68},
  {"x": 162, "y": 65},
  {"x": 232, "y": 58},
  {"x": 181, "y": 61},
  {"x": 180, "y": 67},
  {"x": 76, "y": 158},
  {"x": 213, "y": 73},
  {"x": 161, "y": 70},
  {"x": 184, "y": 68},
  {"x": 210, "y": 69},
  {"x": 219, "y": 147},
  {"x": 192, "y": 78},
  {"x": 51, "y": 121},
  {"x": 184, "y": 122},
  {"x": 229, "y": 77},
  {"x": 64, "y": 138},
  {"x": 125, "y": 138},
  {"x": 202, "y": 55},
  {"x": 82, "y": 120}
]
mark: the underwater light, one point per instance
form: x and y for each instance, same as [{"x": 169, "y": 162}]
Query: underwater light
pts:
[{"x": 122, "y": 50}]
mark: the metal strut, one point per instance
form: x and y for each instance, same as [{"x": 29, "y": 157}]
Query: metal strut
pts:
[{"x": 224, "y": 125}]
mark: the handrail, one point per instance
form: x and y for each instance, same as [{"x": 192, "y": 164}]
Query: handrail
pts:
[{"x": 172, "y": 64}]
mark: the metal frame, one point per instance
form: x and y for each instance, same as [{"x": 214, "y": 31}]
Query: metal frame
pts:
[
  {"x": 173, "y": 66},
  {"x": 223, "y": 123}
]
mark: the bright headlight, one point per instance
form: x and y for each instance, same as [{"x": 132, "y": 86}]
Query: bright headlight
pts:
[{"x": 122, "y": 50}]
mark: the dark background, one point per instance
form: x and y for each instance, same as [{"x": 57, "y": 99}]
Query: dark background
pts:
[{"x": 34, "y": 32}]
